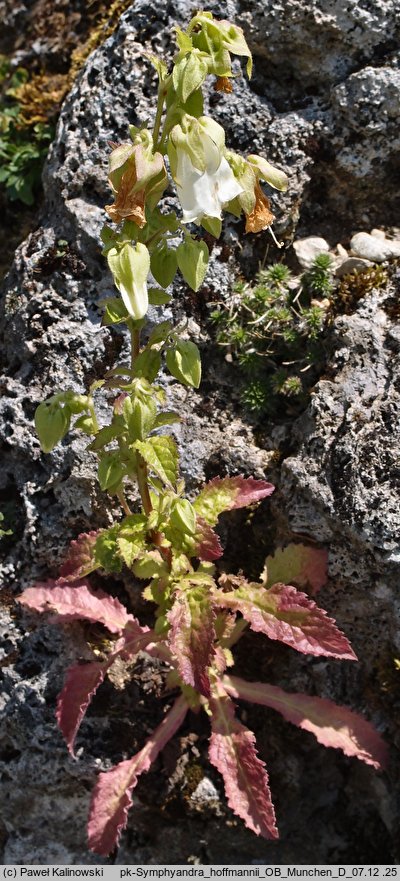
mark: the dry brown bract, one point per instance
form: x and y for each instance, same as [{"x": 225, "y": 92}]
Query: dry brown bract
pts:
[
  {"x": 223, "y": 84},
  {"x": 261, "y": 216}
]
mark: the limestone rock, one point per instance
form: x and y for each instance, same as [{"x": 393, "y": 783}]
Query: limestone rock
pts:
[
  {"x": 350, "y": 264},
  {"x": 372, "y": 248},
  {"x": 308, "y": 249}
]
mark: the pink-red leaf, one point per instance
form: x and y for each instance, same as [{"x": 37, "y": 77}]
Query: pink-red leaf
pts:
[
  {"x": 331, "y": 724},
  {"x": 76, "y": 601},
  {"x": 81, "y": 683},
  {"x": 80, "y": 559},
  {"x": 83, "y": 680},
  {"x": 112, "y": 795},
  {"x": 209, "y": 546},
  {"x": 297, "y": 564},
  {"x": 224, "y": 494},
  {"x": 232, "y": 751},
  {"x": 285, "y": 614},
  {"x": 192, "y": 635}
]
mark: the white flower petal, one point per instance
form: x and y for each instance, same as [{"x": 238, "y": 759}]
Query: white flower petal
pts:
[{"x": 136, "y": 300}]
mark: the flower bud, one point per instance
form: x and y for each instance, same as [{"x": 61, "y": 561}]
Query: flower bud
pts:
[
  {"x": 137, "y": 177},
  {"x": 130, "y": 267}
]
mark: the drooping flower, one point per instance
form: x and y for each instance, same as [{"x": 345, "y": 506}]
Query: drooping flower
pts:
[
  {"x": 130, "y": 267},
  {"x": 252, "y": 200},
  {"x": 204, "y": 179},
  {"x": 138, "y": 178}
]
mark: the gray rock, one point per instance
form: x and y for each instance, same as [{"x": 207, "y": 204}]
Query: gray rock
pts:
[
  {"x": 308, "y": 249},
  {"x": 372, "y": 248},
  {"x": 350, "y": 264}
]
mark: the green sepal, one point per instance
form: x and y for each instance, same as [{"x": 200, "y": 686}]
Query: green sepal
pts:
[
  {"x": 184, "y": 363},
  {"x": 195, "y": 104},
  {"x": 86, "y": 424},
  {"x": 163, "y": 264},
  {"x": 188, "y": 74},
  {"x": 192, "y": 260},
  {"x": 52, "y": 421},
  {"x": 110, "y": 471}
]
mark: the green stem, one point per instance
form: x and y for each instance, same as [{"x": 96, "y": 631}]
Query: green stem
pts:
[
  {"x": 143, "y": 484},
  {"x": 159, "y": 112},
  {"x": 92, "y": 412},
  {"x": 124, "y": 503},
  {"x": 135, "y": 341}
]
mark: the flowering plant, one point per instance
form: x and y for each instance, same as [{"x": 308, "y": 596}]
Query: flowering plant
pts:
[{"x": 169, "y": 541}]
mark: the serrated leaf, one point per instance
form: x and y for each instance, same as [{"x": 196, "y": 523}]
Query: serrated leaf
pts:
[
  {"x": 232, "y": 751},
  {"x": 192, "y": 260},
  {"x": 298, "y": 564},
  {"x": 150, "y": 565},
  {"x": 331, "y": 724},
  {"x": 80, "y": 559},
  {"x": 227, "y": 493},
  {"x": 208, "y": 544},
  {"x": 76, "y": 601},
  {"x": 111, "y": 798},
  {"x": 106, "y": 550},
  {"x": 83, "y": 680},
  {"x": 161, "y": 455},
  {"x": 184, "y": 362},
  {"x": 191, "y": 636},
  {"x": 285, "y": 614}
]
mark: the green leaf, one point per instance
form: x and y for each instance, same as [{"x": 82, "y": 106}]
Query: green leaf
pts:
[
  {"x": 110, "y": 471},
  {"x": 167, "y": 418},
  {"x": 163, "y": 264},
  {"x": 106, "y": 550},
  {"x": 160, "y": 333},
  {"x": 213, "y": 225},
  {"x": 150, "y": 565},
  {"x": 147, "y": 364},
  {"x": 183, "y": 517},
  {"x": 52, "y": 421},
  {"x": 105, "y": 436},
  {"x": 192, "y": 260},
  {"x": 160, "y": 66},
  {"x": 131, "y": 540},
  {"x": 184, "y": 363},
  {"x": 161, "y": 455},
  {"x": 115, "y": 311},
  {"x": 158, "y": 297},
  {"x": 139, "y": 414}
]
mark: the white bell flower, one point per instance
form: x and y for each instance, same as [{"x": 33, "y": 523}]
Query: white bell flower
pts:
[{"x": 205, "y": 187}]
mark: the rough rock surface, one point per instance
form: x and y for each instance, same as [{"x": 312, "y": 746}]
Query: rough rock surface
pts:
[{"x": 306, "y": 109}]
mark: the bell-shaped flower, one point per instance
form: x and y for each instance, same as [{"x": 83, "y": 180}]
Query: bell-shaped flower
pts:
[
  {"x": 137, "y": 177},
  {"x": 220, "y": 39},
  {"x": 204, "y": 179},
  {"x": 130, "y": 267},
  {"x": 253, "y": 200}
]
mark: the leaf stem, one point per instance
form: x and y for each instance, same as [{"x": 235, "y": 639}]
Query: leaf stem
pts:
[
  {"x": 135, "y": 341},
  {"x": 159, "y": 112},
  {"x": 124, "y": 503},
  {"x": 92, "y": 412}
]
